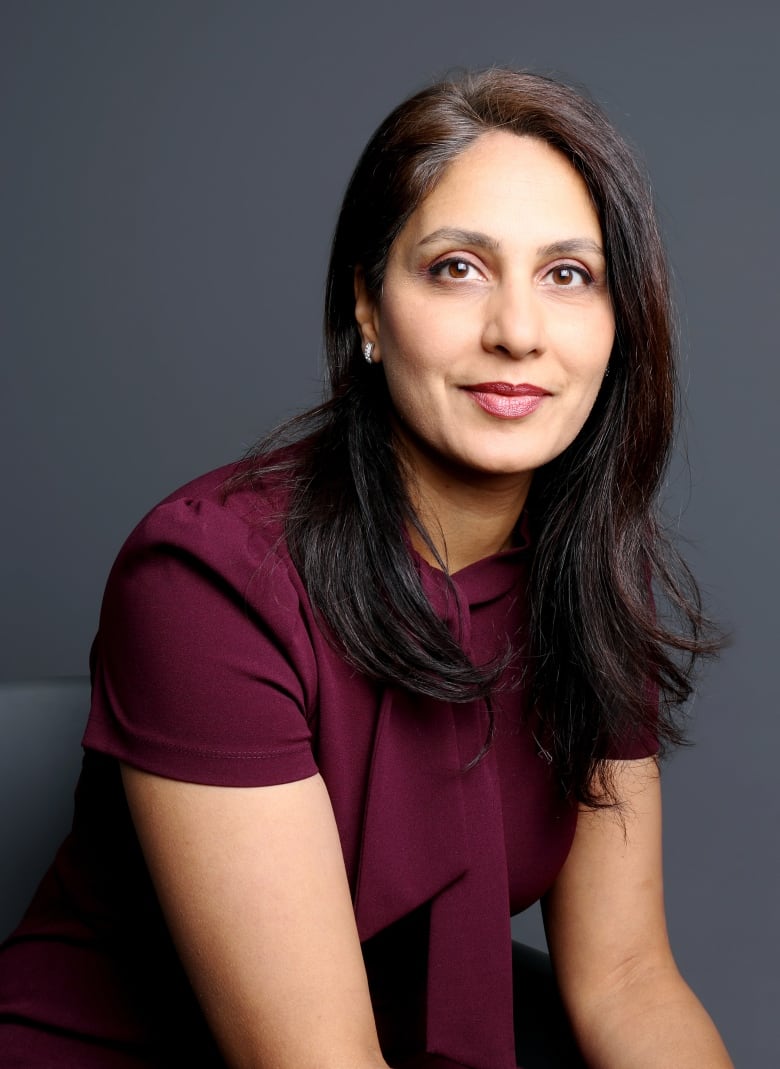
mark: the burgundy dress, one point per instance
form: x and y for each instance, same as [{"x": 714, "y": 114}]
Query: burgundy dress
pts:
[{"x": 209, "y": 666}]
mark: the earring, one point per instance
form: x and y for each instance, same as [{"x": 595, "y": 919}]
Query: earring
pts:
[{"x": 368, "y": 352}]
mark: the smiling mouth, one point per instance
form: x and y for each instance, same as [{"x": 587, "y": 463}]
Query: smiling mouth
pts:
[
  {"x": 507, "y": 401},
  {"x": 507, "y": 389}
]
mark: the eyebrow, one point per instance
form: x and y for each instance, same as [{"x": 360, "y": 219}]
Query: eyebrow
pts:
[
  {"x": 461, "y": 237},
  {"x": 573, "y": 245},
  {"x": 483, "y": 241}
]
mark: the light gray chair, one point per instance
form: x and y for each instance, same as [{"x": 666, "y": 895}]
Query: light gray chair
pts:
[{"x": 41, "y": 723}]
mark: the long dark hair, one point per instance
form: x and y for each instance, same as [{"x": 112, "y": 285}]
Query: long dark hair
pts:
[{"x": 615, "y": 618}]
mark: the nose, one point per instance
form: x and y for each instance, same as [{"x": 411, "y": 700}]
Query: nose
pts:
[{"x": 514, "y": 321}]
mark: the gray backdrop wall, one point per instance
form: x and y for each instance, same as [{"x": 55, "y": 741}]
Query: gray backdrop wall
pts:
[{"x": 171, "y": 172}]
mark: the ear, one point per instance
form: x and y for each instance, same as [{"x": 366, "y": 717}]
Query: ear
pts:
[{"x": 366, "y": 311}]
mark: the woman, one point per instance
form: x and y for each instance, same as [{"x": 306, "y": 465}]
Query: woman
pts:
[{"x": 362, "y": 697}]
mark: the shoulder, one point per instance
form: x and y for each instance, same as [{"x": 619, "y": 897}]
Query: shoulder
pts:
[
  {"x": 208, "y": 567},
  {"x": 216, "y": 525},
  {"x": 214, "y": 504},
  {"x": 204, "y": 664}
]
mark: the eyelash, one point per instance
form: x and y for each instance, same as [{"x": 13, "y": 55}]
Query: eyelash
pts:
[
  {"x": 585, "y": 275},
  {"x": 437, "y": 270}
]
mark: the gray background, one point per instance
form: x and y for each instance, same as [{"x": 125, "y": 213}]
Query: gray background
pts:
[{"x": 170, "y": 178}]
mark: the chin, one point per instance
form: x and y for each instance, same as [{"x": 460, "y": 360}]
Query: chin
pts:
[
  {"x": 495, "y": 467},
  {"x": 507, "y": 461}
]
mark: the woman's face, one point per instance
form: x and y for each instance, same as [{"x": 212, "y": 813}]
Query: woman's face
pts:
[{"x": 494, "y": 326}]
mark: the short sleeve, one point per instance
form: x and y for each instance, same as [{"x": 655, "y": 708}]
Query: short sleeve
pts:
[
  {"x": 643, "y": 742},
  {"x": 203, "y": 668}
]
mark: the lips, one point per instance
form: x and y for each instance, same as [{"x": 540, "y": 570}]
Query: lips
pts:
[{"x": 507, "y": 401}]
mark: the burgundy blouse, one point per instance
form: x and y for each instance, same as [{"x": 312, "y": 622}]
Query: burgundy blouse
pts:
[{"x": 209, "y": 666}]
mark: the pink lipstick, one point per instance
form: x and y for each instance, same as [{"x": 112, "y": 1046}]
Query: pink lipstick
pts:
[{"x": 506, "y": 401}]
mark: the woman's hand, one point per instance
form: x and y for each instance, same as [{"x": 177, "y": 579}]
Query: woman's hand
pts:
[
  {"x": 628, "y": 1004},
  {"x": 253, "y": 887}
]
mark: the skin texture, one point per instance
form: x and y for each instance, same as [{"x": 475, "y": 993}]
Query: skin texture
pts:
[
  {"x": 606, "y": 928},
  {"x": 253, "y": 886},
  {"x": 517, "y": 296},
  {"x": 498, "y": 276}
]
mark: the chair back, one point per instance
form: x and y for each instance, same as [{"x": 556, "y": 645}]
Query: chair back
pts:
[{"x": 41, "y": 724}]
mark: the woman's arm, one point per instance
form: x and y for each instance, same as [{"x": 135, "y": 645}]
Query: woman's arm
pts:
[
  {"x": 253, "y": 887},
  {"x": 628, "y": 1004}
]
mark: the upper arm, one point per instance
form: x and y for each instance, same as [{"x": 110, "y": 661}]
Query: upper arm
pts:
[
  {"x": 204, "y": 676},
  {"x": 605, "y": 913},
  {"x": 254, "y": 890}
]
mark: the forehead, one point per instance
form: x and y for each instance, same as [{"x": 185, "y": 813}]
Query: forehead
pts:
[{"x": 509, "y": 186}]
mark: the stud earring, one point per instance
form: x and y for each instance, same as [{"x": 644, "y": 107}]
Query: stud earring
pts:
[{"x": 368, "y": 352}]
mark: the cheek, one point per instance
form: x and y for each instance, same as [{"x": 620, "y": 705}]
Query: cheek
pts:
[
  {"x": 411, "y": 346},
  {"x": 401, "y": 364},
  {"x": 421, "y": 329},
  {"x": 588, "y": 350}
]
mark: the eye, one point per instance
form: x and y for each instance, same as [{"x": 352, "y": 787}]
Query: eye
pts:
[
  {"x": 454, "y": 268},
  {"x": 569, "y": 276}
]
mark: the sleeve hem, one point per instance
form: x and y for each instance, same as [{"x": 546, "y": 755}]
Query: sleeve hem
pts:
[{"x": 223, "y": 768}]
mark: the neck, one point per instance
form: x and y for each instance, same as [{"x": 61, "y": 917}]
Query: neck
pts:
[{"x": 467, "y": 517}]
